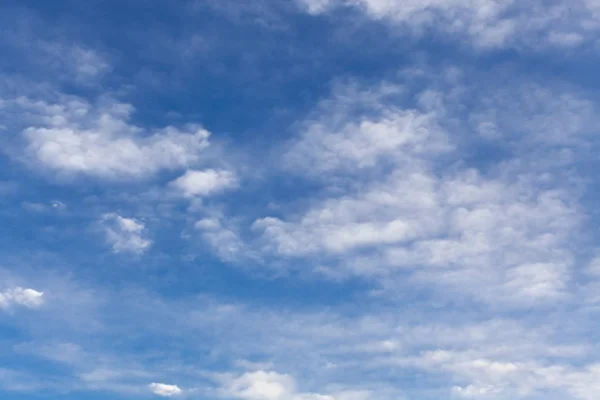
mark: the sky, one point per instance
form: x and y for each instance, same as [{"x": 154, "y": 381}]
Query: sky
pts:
[{"x": 299, "y": 200}]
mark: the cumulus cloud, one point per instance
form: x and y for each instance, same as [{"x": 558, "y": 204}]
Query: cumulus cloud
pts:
[
  {"x": 267, "y": 385},
  {"x": 507, "y": 230},
  {"x": 365, "y": 143},
  {"x": 19, "y": 296},
  {"x": 196, "y": 183},
  {"x": 76, "y": 137},
  {"x": 124, "y": 234},
  {"x": 162, "y": 389},
  {"x": 341, "y": 136},
  {"x": 260, "y": 385},
  {"x": 373, "y": 217}
]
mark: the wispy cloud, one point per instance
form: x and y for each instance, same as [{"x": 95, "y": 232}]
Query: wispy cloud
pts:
[
  {"x": 224, "y": 240},
  {"x": 333, "y": 355},
  {"x": 85, "y": 65},
  {"x": 484, "y": 24}
]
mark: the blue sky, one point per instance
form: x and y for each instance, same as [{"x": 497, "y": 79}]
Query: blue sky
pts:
[{"x": 299, "y": 200}]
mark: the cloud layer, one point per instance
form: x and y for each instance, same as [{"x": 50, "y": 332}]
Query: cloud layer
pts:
[{"x": 307, "y": 200}]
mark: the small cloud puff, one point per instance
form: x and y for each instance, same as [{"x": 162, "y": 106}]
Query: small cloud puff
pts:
[
  {"x": 58, "y": 205},
  {"x": 21, "y": 297},
  {"x": 124, "y": 234},
  {"x": 162, "y": 389},
  {"x": 204, "y": 183}
]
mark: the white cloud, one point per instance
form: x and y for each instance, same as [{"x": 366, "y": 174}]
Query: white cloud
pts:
[
  {"x": 365, "y": 143},
  {"x": 535, "y": 114},
  {"x": 88, "y": 64},
  {"x": 204, "y": 183},
  {"x": 338, "y": 136},
  {"x": 502, "y": 235},
  {"x": 399, "y": 210},
  {"x": 261, "y": 385},
  {"x": 266, "y": 385},
  {"x": 507, "y": 230},
  {"x": 58, "y": 205},
  {"x": 74, "y": 137},
  {"x": 66, "y": 60},
  {"x": 76, "y": 62},
  {"x": 519, "y": 379},
  {"x": 565, "y": 39},
  {"x": 19, "y": 296},
  {"x": 485, "y": 23},
  {"x": 162, "y": 389},
  {"x": 338, "y": 356},
  {"x": 474, "y": 391},
  {"x": 224, "y": 240},
  {"x": 124, "y": 234}
]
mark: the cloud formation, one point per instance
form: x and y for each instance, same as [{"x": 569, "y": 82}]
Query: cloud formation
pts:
[
  {"x": 401, "y": 206},
  {"x": 164, "y": 390},
  {"x": 485, "y": 24},
  {"x": 204, "y": 183},
  {"x": 75, "y": 137},
  {"x": 270, "y": 385},
  {"x": 508, "y": 230},
  {"x": 124, "y": 234},
  {"x": 19, "y": 296}
]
